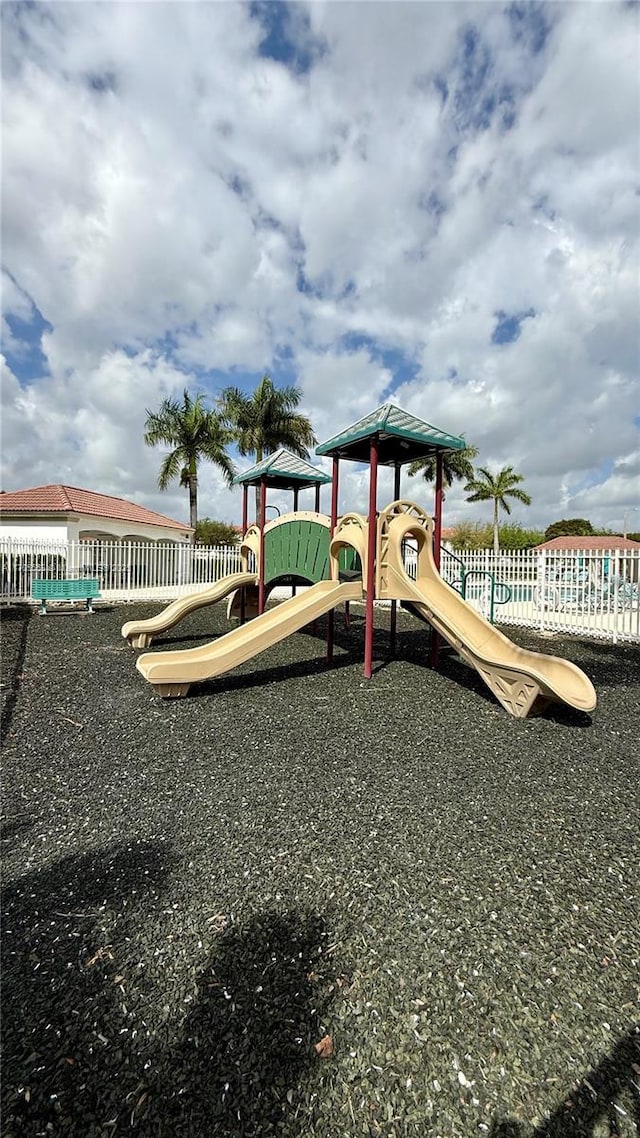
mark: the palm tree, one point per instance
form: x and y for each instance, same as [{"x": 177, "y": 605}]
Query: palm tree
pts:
[
  {"x": 194, "y": 433},
  {"x": 487, "y": 487},
  {"x": 456, "y": 464},
  {"x": 265, "y": 421}
]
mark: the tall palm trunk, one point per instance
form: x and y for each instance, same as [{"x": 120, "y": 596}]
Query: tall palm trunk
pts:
[
  {"x": 496, "y": 534},
  {"x": 193, "y": 501}
]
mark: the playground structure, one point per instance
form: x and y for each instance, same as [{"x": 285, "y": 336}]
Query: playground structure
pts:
[{"x": 356, "y": 558}]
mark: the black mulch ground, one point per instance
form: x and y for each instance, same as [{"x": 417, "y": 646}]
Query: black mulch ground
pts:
[{"x": 198, "y": 892}]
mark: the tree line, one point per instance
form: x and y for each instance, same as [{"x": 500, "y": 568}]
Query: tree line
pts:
[{"x": 260, "y": 423}]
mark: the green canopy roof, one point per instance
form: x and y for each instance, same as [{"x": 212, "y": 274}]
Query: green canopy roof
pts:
[
  {"x": 282, "y": 471},
  {"x": 401, "y": 438}
]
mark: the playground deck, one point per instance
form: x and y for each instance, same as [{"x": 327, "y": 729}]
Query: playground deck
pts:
[{"x": 203, "y": 899}]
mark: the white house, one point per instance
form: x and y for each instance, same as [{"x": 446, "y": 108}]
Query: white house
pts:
[{"x": 67, "y": 513}]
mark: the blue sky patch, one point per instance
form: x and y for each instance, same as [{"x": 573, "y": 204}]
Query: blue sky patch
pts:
[
  {"x": 403, "y": 369},
  {"x": 594, "y": 477},
  {"x": 473, "y": 103},
  {"x": 287, "y": 36},
  {"x": 530, "y": 23},
  {"x": 508, "y": 324},
  {"x": 307, "y": 286},
  {"x": 27, "y": 360}
]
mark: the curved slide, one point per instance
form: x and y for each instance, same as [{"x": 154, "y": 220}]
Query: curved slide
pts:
[
  {"x": 140, "y": 633},
  {"x": 524, "y": 682},
  {"x": 172, "y": 673}
]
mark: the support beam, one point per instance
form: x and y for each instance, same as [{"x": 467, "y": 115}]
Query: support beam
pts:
[
  {"x": 371, "y": 557},
  {"x": 393, "y": 621},
  {"x": 263, "y": 518},
  {"x": 437, "y": 539},
  {"x": 437, "y": 526},
  {"x": 295, "y": 510},
  {"x": 317, "y": 497},
  {"x": 332, "y": 529},
  {"x": 245, "y": 514}
]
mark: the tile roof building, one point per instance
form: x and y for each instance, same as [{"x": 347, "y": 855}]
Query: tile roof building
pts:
[
  {"x": 72, "y": 514},
  {"x": 597, "y": 542}
]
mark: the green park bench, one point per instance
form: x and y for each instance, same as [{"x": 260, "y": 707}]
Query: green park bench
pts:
[{"x": 81, "y": 589}]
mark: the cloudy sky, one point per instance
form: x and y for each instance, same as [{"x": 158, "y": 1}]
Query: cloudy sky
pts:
[{"x": 435, "y": 204}]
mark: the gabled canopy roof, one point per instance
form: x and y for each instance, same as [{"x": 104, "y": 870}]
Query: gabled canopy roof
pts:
[
  {"x": 282, "y": 471},
  {"x": 401, "y": 438}
]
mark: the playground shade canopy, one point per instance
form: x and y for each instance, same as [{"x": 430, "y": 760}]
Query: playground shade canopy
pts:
[
  {"x": 401, "y": 438},
  {"x": 282, "y": 471}
]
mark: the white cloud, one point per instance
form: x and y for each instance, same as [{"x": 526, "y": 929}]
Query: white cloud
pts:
[
  {"x": 86, "y": 429},
  {"x": 175, "y": 203}
]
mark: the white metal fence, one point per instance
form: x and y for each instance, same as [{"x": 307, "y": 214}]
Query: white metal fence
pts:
[
  {"x": 594, "y": 593},
  {"x": 127, "y": 571}
]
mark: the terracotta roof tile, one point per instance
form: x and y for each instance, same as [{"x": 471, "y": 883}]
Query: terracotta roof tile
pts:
[
  {"x": 596, "y": 542},
  {"x": 61, "y": 499}
]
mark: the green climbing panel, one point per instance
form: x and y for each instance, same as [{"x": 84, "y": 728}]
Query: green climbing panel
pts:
[{"x": 300, "y": 549}]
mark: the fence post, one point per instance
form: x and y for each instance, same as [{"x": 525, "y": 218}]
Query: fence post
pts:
[
  {"x": 540, "y": 586},
  {"x": 72, "y": 559},
  {"x": 615, "y": 579}
]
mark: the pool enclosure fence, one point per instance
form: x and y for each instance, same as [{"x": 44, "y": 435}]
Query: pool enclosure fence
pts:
[{"x": 587, "y": 592}]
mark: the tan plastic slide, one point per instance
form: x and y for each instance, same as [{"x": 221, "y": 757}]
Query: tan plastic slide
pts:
[
  {"x": 140, "y": 633},
  {"x": 172, "y": 673},
  {"x": 524, "y": 682}
]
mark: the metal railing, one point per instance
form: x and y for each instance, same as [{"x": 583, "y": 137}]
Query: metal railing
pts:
[
  {"x": 590, "y": 592},
  {"x": 127, "y": 571}
]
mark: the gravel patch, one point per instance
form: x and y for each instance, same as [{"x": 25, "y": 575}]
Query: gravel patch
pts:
[{"x": 301, "y": 903}]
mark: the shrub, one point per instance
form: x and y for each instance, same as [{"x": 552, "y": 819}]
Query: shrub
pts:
[
  {"x": 472, "y": 535},
  {"x": 569, "y": 527},
  {"x": 479, "y": 535},
  {"x": 513, "y": 536},
  {"x": 210, "y": 532}
]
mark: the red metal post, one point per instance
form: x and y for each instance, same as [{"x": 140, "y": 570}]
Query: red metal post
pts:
[
  {"x": 437, "y": 521},
  {"x": 295, "y": 510},
  {"x": 243, "y": 591},
  {"x": 263, "y": 518},
  {"x": 437, "y": 538},
  {"x": 334, "y": 494},
  {"x": 394, "y": 604},
  {"x": 371, "y": 557},
  {"x": 332, "y": 528}
]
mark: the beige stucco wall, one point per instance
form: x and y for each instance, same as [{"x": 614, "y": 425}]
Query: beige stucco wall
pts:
[
  {"x": 82, "y": 527},
  {"x": 34, "y": 530}
]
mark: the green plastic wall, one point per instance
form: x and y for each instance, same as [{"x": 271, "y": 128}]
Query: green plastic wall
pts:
[{"x": 301, "y": 549}]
